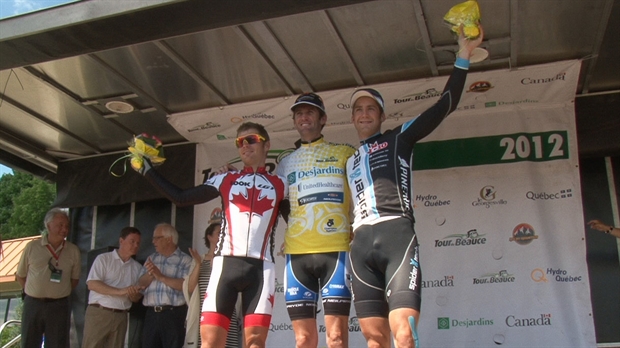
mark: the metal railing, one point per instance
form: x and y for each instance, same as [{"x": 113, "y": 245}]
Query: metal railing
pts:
[{"x": 15, "y": 340}]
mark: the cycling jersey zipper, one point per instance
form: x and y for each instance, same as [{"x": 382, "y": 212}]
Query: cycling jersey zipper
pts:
[{"x": 247, "y": 249}]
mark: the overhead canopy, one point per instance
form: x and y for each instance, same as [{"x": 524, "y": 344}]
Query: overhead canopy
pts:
[{"x": 60, "y": 67}]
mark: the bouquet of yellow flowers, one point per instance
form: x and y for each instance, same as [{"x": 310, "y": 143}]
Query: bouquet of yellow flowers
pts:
[
  {"x": 466, "y": 13},
  {"x": 142, "y": 146}
]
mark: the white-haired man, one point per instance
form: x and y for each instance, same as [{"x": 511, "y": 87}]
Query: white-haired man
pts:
[
  {"x": 162, "y": 278},
  {"x": 48, "y": 270}
]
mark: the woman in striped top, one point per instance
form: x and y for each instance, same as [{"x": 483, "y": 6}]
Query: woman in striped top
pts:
[{"x": 195, "y": 286}]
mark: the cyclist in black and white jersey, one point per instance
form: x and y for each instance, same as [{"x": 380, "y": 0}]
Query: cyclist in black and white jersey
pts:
[{"x": 385, "y": 270}]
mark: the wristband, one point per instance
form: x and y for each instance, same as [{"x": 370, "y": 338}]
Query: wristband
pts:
[{"x": 462, "y": 63}]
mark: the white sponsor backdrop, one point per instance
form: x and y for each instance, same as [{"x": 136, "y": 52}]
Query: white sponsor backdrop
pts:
[{"x": 497, "y": 202}]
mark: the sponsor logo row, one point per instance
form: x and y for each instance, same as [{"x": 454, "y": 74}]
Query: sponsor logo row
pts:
[
  {"x": 451, "y": 323},
  {"x": 353, "y": 324},
  {"x": 430, "y": 93},
  {"x": 488, "y": 197},
  {"x": 522, "y": 234},
  {"x": 537, "y": 275},
  {"x": 511, "y": 321}
]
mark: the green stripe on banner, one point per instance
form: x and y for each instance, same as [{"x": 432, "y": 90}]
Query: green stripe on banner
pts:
[{"x": 497, "y": 149}]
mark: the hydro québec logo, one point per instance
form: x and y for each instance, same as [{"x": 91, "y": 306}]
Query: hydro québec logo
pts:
[
  {"x": 445, "y": 323},
  {"x": 432, "y": 200},
  {"x": 560, "y": 275}
]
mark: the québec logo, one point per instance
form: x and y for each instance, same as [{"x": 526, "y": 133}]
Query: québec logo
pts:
[{"x": 549, "y": 196}]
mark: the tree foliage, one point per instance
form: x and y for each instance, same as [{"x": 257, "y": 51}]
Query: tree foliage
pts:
[{"x": 24, "y": 200}]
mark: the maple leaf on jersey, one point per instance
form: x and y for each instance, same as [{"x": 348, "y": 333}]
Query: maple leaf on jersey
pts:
[{"x": 261, "y": 204}]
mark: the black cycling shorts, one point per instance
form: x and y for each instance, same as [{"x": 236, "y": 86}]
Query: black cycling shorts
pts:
[
  {"x": 307, "y": 274},
  {"x": 385, "y": 268}
]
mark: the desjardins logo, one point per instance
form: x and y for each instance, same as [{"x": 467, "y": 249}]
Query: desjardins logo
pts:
[{"x": 444, "y": 323}]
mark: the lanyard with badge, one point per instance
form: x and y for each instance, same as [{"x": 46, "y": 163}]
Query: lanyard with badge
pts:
[{"x": 56, "y": 273}]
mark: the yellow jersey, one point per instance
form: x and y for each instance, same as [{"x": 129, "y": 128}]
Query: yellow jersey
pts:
[{"x": 319, "y": 221}]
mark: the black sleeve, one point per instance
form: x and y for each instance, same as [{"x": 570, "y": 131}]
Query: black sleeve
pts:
[
  {"x": 430, "y": 119},
  {"x": 182, "y": 198},
  {"x": 285, "y": 209}
]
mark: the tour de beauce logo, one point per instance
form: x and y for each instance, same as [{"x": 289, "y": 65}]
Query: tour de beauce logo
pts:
[
  {"x": 495, "y": 278},
  {"x": 523, "y": 234},
  {"x": 472, "y": 237},
  {"x": 279, "y": 287},
  {"x": 488, "y": 198},
  {"x": 429, "y": 93},
  {"x": 207, "y": 125}
]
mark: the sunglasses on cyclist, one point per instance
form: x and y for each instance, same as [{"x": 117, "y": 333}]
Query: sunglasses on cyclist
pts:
[{"x": 248, "y": 139}]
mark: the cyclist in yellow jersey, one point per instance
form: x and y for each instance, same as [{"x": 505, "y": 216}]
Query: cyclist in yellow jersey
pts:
[{"x": 316, "y": 242}]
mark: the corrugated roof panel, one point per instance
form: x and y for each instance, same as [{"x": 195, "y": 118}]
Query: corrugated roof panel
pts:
[
  {"x": 309, "y": 40},
  {"x": 392, "y": 51},
  {"x": 36, "y": 132},
  {"x": 157, "y": 76},
  {"x": 228, "y": 60},
  {"x": 559, "y": 31},
  {"x": 83, "y": 77}
]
